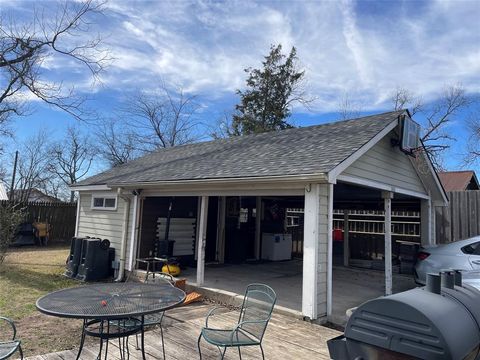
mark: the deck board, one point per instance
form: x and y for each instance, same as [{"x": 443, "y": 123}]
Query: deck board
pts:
[{"x": 286, "y": 338}]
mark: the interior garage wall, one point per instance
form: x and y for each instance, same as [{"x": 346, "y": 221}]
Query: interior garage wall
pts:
[{"x": 155, "y": 207}]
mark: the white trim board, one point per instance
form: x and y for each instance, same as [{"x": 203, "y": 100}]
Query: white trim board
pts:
[
  {"x": 380, "y": 186},
  {"x": 337, "y": 170},
  {"x": 90, "y": 188},
  {"x": 218, "y": 192}
]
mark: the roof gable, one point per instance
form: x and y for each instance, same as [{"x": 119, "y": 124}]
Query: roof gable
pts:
[
  {"x": 459, "y": 180},
  {"x": 387, "y": 165}
]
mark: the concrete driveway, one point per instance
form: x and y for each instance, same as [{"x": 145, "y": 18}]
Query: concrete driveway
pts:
[{"x": 351, "y": 286}]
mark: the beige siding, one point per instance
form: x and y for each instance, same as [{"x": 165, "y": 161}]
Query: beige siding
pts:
[
  {"x": 388, "y": 165},
  {"x": 105, "y": 224},
  {"x": 322, "y": 252},
  {"x": 315, "y": 263}
]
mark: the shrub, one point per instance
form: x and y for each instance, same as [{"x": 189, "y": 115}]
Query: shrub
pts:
[{"x": 10, "y": 218}]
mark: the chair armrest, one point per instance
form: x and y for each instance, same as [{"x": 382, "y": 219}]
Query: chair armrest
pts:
[
  {"x": 211, "y": 313},
  {"x": 14, "y": 329},
  {"x": 161, "y": 275},
  {"x": 240, "y": 324}
]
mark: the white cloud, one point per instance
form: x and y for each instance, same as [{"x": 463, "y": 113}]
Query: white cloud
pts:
[{"x": 365, "y": 49}]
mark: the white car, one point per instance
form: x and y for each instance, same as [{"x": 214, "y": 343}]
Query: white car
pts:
[{"x": 458, "y": 255}]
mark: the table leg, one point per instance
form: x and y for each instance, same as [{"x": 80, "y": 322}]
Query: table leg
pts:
[
  {"x": 143, "y": 338},
  {"x": 101, "y": 342},
  {"x": 82, "y": 341},
  {"x": 106, "y": 344}
]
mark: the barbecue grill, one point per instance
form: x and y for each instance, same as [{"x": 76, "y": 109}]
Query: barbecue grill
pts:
[{"x": 438, "y": 321}]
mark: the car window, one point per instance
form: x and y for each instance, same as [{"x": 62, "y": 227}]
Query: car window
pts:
[{"x": 473, "y": 249}]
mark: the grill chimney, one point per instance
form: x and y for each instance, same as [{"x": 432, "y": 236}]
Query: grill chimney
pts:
[
  {"x": 448, "y": 279},
  {"x": 458, "y": 278},
  {"x": 433, "y": 283}
]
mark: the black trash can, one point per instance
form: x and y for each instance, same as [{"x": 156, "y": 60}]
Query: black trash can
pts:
[
  {"x": 95, "y": 260},
  {"x": 74, "y": 258}
]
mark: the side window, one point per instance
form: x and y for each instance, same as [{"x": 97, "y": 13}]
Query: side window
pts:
[
  {"x": 101, "y": 202},
  {"x": 472, "y": 249}
]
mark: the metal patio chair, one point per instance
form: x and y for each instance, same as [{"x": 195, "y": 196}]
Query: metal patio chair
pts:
[
  {"x": 154, "y": 319},
  {"x": 10, "y": 347},
  {"x": 255, "y": 314}
]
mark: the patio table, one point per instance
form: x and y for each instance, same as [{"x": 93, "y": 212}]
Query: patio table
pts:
[{"x": 103, "y": 307}]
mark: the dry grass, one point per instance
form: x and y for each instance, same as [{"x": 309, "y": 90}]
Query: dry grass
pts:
[{"x": 26, "y": 275}]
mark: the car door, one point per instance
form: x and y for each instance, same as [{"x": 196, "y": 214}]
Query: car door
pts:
[{"x": 474, "y": 254}]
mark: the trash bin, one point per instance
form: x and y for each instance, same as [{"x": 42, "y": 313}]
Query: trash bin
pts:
[
  {"x": 95, "y": 261},
  {"x": 73, "y": 260}
]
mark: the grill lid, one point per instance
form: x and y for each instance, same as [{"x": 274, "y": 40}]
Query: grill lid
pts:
[{"x": 419, "y": 323}]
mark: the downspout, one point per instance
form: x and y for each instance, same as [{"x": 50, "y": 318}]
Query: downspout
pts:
[{"x": 123, "y": 247}]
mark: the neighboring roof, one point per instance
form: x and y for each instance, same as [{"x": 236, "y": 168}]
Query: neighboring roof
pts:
[
  {"x": 3, "y": 192},
  {"x": 459, "y": 180},
  {"x": 34, "y": 195},
  {"x": 300, "y": 151}
]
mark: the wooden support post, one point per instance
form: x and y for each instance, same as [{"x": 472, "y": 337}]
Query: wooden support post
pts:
[
  {"x": 315, "y": 251},
  {"x": 330, "y": 252},
  {"x": 221, "y": 229},
  {"x": 201, "y": 240},
  {"x": 258, "y": 224},
  {"x": 387, "y": 196},
  {"x": 346, "y": 245}
]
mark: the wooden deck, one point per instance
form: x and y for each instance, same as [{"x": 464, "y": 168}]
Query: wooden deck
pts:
[{"x": 286, "y": 338}]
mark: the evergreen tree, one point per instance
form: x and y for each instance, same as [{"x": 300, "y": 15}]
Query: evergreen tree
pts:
[{"x": 266, "y": 103}]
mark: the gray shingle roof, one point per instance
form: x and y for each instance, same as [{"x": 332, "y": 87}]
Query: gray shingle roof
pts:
[{"x": 300, "y": 151}]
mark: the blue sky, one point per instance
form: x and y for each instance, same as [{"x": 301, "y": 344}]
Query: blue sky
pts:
[{"x": 364, "y": 48}]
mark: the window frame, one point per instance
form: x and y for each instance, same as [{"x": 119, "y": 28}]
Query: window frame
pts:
[{"x": 104, "y": 197}]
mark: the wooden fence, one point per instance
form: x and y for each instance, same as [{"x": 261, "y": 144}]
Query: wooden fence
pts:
[
  {"x": 461, "y": 219},
  {"x": 61, "y": 217}
]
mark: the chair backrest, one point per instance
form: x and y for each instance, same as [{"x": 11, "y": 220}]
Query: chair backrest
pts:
[
  {"x": 159, "y": 278},
  {"x": 257, "y": 306},
  {"x": 7, "y": 329}
]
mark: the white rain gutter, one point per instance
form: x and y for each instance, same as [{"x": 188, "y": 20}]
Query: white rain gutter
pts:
[{"x": 123, "y": 247}]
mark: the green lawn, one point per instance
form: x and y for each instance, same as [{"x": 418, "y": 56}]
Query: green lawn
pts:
[{"x": 26, "y": 275}]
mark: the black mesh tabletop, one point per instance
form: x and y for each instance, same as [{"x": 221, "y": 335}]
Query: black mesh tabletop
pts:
[{"x": 110, "y": 300}]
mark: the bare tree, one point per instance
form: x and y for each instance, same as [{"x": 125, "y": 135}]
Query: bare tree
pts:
[
  {"x": 403, "y": 99},
  {"x": 114, "y": 143},
  {"x": 222, "y": 128},
  {"x": 25, "y": 47},
  {"x": 70, "y": 159},
  {"x": 161, "y": 119},
  {"x": 438, "y": 117},
  {"x": 32, "y": 168},
  {"x": 348, "y": 108},
  {"x": 473, "y": 146},
  {"x": 147, "y": 122}
]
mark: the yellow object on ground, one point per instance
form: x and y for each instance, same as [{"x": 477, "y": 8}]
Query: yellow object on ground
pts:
[
  {"x": 192, "y": 297},
  {"x": 42, "y": 229},
  {"x": 171, "y": 269}
]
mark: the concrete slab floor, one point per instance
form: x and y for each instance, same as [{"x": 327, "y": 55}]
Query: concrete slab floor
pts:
[{"x": 351, "y": 286}]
